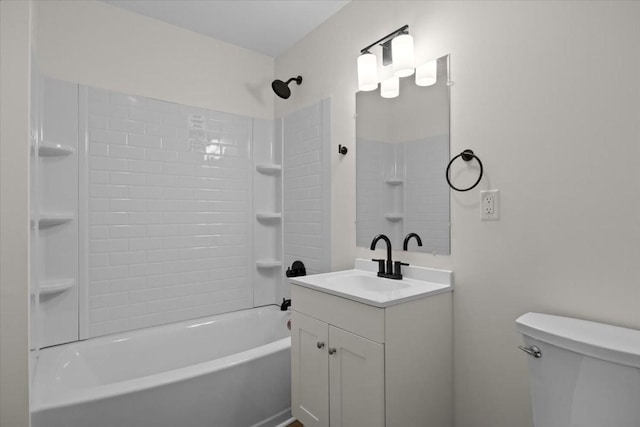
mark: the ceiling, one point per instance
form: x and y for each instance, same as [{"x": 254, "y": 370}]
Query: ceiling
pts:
[{"x": 266, "y": 26}]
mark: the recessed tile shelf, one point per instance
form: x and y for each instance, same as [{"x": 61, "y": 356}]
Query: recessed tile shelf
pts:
[
  {"x": 268, "y": 216},
  {"x": 394, "y": 181},
  {"x": 269, "y": 169},
  {"x": 52, "y": 219},
  {"x": 393, "y": 217},
  {"x": 50, "y": 149},
  {"x": 268, "y": 263},
  {"x": 55, "y": 286}
]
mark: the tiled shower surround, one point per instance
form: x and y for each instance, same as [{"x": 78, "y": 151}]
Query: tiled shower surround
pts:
[
  {"x": 170, "y": 211},
  {"x": 306, "y": 183}
]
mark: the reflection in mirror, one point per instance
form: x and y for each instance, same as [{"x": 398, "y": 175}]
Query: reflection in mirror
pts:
[{"x": 402, "y": 151}]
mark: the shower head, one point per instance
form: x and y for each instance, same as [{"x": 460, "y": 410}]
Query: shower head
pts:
[{"x": 282, "y": 88}]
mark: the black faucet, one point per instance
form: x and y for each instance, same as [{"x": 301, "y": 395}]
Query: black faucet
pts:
[
  {"x": 286, "y": 303},
  {"x": 408, "y": 237},
  {"x": 389, "y": 272}
]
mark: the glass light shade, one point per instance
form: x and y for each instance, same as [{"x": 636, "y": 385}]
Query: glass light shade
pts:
[
  {"x": 367, "y": 72},
  {"x": 390, "y": 88},
  {"x": 426, "y": 74},
  {"x": 402, "y": 55}
]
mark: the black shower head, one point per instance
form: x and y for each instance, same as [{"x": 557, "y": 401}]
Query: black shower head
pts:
[{"x": 282, "y": 88}]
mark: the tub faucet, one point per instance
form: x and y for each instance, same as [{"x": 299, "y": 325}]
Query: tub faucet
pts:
[
  {"x": 286, "y": 303},
  {"x": 408, "y": 237},
  {"x": 387, "y": 272}
]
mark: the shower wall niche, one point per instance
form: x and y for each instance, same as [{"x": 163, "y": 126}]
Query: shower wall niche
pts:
[
  {"x": 54, "y": 215},
  {"x": 150, "y": 212}
]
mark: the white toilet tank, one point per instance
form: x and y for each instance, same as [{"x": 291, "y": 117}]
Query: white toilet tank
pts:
[{"x": 587, "y": 375}]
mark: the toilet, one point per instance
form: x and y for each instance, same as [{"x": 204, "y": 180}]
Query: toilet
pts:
[{"x": 582, "y": 373}]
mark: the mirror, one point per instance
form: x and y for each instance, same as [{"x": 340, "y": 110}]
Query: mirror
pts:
[{"x": 402, "y": 152}]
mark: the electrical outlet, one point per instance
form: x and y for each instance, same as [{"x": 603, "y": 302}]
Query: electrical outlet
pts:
[{"x": 490, "y": 205}]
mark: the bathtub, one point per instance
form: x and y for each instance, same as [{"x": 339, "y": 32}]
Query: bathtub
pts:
[{"x": 230, "y": 370}]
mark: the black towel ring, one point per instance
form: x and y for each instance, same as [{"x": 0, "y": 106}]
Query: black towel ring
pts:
[{"x": 466, "y": 155}]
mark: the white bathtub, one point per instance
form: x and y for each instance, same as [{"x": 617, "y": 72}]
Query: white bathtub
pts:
[{"x": 223, "y": 371}]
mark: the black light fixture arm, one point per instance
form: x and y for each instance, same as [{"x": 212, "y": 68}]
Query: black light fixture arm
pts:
[{"x": 402, "y": 30}]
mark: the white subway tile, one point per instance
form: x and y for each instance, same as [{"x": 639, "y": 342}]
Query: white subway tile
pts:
[
  {"x": 99, "y": 149},
  {"x": 99, "y": 177},
  {"x": 161, "y": 130},
  {"x": 99, "y": 260},
  {"x": 146, "y": 321},
  {"x": 108, "y": 191},
  {"x": 108, "y": 245},
  {"x": 154, "y": 206},
  {"x": 175, "y": 144},
  {"x": 144, "y": 166},
  {"x": 110, "y": 327},
  {"x": 130, "y": 127},
  {"x": 176, "y": 119},
  {"x": 99, "y": 287},
  {"x": 141, "y": 115},
  {"x": 145, "y": 218},
  {"x": 162, "y": 106},
  {"x": 106, "y": 109},
  {"x": 98, "y": 205},
  {"x": 107, "y": 164},
  {"x": 109, "y": 137},
  {"x": 127, "y": 178},
  {"x": 158, "y": 180},
  {"x": 128, "y": 284},
  {"x": 106, "y": 273},
  {"x": 99, "y": 315},
  {"x": 127, "y": 205},
  {"x": 109, "y": 300},
  {"x": 128, "y": 100},
  {"x": 178, "y": 242},
  {"x": 177, "y": 169},
  {"x": 98, "y": 122},
  {"x": 148, "y": 141},
  {"x": 146, "y": 243},
  {"x": 145, "y": 192},
  {"x": 108, "y": 218},
  {"x": 98, "y": 232},
  {"x": 163, "y": 230},
  {"x": 126, "y": 258},
  {"x": 126, "y": 152},
  {"x": 98, "y": 95},
  {"x": 177, "y": 266},
  {"x": 161, "y": 155},
  {"x": 163, "y": 255}
]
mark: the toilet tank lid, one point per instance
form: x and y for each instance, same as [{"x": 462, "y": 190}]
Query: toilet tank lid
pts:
[{"x": 607, "y": 342}]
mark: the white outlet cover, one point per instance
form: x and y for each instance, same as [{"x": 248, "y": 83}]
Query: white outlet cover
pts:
[{"x": 490, "y": 205}]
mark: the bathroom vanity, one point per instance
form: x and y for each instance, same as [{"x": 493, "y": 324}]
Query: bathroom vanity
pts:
[{"x": 369, "y": 351}]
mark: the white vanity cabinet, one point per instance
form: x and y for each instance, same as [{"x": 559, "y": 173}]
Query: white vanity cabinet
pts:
[
  {"x": 355, "y": 364},
  {"x": 340, "y": 375}
]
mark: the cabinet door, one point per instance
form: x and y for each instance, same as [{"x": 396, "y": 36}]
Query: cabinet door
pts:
[
  {"x": 356, "y": 380},
  {"x": 309, "y": 370}
]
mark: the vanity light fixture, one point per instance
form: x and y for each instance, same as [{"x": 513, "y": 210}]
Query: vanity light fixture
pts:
[
  {"x": 367, "y": 72},
  {"x": 390, "y": 88},
  {"x": 368, "y": 63},
  {"x": 402, "y": 55},
  {"x": 426, "y": 74},
  {"x": 397, "y": 50}
]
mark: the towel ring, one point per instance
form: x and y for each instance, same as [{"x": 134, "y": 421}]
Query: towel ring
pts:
[{"x": 466, "y": 155}]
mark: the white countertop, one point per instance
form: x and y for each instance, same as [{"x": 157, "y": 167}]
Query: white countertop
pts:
[{"x": 363, "y": 285}]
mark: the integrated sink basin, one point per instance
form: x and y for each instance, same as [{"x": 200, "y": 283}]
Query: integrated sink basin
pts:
[
  {"x": 363, "y": 285},
  {"x": 364, "y": 282}
]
